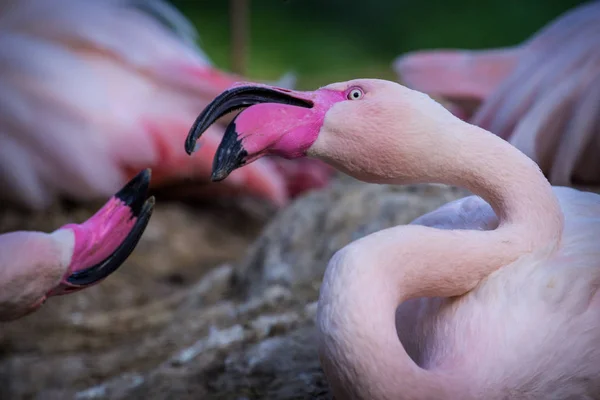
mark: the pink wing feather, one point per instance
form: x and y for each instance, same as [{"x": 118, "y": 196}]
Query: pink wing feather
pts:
[
  {"x": 95, "y": 90},
  {"x": 539, "y": 95}
]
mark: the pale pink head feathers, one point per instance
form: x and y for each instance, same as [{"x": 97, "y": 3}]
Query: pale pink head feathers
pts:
[{"x": 291, "y": 124}]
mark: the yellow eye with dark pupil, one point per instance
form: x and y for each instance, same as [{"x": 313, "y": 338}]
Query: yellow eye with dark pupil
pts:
[{"x": 355, "y": 94}]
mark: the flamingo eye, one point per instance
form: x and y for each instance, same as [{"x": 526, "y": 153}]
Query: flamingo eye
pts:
[{"x": 355, "y": 94}]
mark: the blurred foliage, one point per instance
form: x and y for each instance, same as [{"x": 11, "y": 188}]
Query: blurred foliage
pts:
[{"x": 325, "y": 41}]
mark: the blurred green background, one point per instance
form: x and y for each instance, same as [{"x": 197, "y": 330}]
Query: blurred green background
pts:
[{"x": 324, "y": 41}]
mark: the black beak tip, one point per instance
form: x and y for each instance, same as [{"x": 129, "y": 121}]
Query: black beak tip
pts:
[
  {"x": 134, "y": 192},
  {"x": 109, "y": 265},
  {"x": 219, "y": 175},
  {"x": 190, "y": 144},
  {"x": 234, "y": 99},
  {"x": 230, "y": 154}
]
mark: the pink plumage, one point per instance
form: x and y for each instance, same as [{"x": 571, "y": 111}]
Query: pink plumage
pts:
[
  {"x": 542, "y": 95},
  {"x": 493, "y": 296},
  {"x": 95, "y": 90}
]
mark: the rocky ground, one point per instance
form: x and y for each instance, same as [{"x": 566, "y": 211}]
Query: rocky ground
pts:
[{"x": 216, "y": 302}]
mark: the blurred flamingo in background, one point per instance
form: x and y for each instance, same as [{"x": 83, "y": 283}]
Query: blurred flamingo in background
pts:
[
  {"x": 95, "y": 90},
  {"x": 36, "y": 265},
  {"x": 542, "y": 95}
]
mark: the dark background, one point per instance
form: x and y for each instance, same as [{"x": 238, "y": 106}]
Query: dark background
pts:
[{"x": 332, "y": 40}]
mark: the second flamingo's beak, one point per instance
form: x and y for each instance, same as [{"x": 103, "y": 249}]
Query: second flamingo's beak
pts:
[
  {"x": 133, "y": 198},
  {"x": 106, "y": 240},
  {"x": 275, "y": 121}
]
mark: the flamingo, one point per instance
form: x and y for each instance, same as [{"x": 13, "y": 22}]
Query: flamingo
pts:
[
  {"x": 35, "y": 265},
  {"x": 542, "y": 95},
  {"x": 492, "y": 296},
  {"x": 95, "y": 90}
]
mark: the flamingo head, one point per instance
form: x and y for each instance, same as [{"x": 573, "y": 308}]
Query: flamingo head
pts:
[
  {"x": 343, "y": 124},
  {"x": 105, "y": 241}
]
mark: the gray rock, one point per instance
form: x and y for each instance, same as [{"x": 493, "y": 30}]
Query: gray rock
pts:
[{"x": 295, "y": 247}]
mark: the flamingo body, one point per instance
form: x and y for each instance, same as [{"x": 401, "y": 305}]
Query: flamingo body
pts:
[
  {"x": 492, "y": 296},
  {"x": 494, "y": 335}
]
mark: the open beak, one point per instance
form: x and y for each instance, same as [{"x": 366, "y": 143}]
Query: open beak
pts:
[
  {"x": 132, "y": 197},
  {"x": 231, "y": 153}
]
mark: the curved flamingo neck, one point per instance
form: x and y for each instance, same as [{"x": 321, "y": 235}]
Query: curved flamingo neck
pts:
[{"x": 364, "y": 283}]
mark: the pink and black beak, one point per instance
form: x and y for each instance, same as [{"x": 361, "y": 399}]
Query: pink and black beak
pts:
[
  {"x": 133, "y": 196},
  {"x": 251, "y": 135},
  {"x": 107, "y": 239}
]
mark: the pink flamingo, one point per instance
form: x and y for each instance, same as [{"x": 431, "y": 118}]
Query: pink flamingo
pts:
[
  {"x": 95, "y": 90},
  {"x": 37, "y": 265},
  {"x": 489, "y": 297},
  {"x": 542, "y": 95}
]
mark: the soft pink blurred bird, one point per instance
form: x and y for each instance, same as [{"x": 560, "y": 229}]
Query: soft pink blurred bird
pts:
[
  {"x": 95, "y": 90},
  {"x": 37, "y": 265},
  {"x": 490, "y": 297},
  {"x": 542, "y": 95}
]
